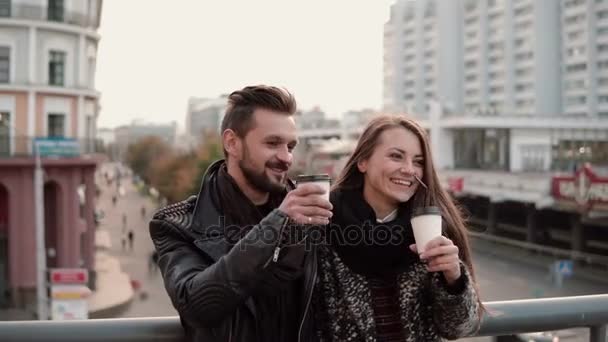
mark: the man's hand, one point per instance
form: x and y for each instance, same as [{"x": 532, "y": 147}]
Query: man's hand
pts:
[
  {"x": 307, "y": 205},
  {"x": 442, "y": 256}
]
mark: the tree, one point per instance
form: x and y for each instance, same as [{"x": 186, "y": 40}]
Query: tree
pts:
[
  {"x": 209, "y": 151},
  {"x": 141, "y": 155},
  {"x": 173, "y": 175}
]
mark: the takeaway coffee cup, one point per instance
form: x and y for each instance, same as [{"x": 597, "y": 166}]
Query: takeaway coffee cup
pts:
[
  {"x": 322, "y": 180},
  {"x": 426, "y": 223}
]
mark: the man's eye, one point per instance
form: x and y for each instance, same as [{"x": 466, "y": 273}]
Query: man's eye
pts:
[{"x": 395, "y": 156}]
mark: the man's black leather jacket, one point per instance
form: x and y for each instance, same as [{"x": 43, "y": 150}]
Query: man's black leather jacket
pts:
[{"x": 209, "y": 283}]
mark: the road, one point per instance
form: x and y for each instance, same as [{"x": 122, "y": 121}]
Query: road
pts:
[{"x": 499, "y": 278}]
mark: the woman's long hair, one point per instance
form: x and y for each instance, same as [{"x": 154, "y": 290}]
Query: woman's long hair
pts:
[{"x": 351, "y": 177}]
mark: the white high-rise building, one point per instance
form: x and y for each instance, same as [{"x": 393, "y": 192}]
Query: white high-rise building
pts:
[
  {"x": 585, "y": 57},
  {"x": 511, "y": 57},
  {"x": 205, "y": 116},
  {"x": 492, "y": 57},
  {"x": 422, "y": 41}
]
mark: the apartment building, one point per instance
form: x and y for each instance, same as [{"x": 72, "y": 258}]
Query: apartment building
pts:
[{"x": 48, "y": 108}]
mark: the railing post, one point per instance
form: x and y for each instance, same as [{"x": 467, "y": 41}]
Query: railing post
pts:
[{"x": 598, "y": 333}]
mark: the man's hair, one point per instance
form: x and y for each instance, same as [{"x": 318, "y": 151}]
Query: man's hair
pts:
[{"x": 242, "y": 103}]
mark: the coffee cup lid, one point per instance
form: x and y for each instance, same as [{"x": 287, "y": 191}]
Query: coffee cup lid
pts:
[
  {"x": 426, "y": 211},
  {"x": 312, "y": 178}
]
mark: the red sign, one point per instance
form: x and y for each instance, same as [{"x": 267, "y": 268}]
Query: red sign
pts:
[
  {"x": 69, "y": 276},
  {"x": 585, "y": 188},
  {"x": 455, "y": 184}
]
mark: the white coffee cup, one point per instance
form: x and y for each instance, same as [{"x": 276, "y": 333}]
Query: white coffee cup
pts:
[
  {"x": 322, "y": 180},
  {"x": 426, "y": 223}
]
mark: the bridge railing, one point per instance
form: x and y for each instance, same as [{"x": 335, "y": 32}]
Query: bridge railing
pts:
[{"x": 502, "y": 318}]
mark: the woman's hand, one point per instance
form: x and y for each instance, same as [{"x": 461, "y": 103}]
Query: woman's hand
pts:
[{"x": 441, "y": 255}]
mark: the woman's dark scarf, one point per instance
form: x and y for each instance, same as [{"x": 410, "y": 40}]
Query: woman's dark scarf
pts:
[{"x": 367, "y": 247}]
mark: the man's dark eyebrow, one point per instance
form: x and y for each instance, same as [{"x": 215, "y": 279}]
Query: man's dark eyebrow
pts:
[{"x": 279, "y": 138}]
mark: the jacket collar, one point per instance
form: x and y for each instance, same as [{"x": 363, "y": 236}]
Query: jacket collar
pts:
[{"x": 208, "y": 211}]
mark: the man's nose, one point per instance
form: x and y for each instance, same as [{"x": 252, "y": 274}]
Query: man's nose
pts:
[{"x": 285, "y": 156}]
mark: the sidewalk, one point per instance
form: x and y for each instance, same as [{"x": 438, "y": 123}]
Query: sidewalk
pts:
[{"x": 114, "y": 290}]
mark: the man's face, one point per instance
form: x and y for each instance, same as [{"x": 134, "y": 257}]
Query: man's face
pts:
[{"x": 266, "y": 153}]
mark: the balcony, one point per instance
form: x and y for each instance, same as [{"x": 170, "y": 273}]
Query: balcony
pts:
[
  {"x": 39, "y": 13},
  {"x": 23, "y": 146}
]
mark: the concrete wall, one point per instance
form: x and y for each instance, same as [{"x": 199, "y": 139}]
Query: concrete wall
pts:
[{"x": 17, "y": 40}]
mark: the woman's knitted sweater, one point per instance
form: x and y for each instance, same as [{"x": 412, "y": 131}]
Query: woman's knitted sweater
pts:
[{"x": 428, "y": 309}]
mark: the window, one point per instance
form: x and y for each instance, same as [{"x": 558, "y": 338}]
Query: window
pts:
[
  {"x": 576, "y": 100},
  {"x": 575, "y": 35},
  {"x": 602, "y": 14},
  {"x": 5, "y": 8},
  {"x": 602, "y": 82},
  {"x": 5, "y": 64},
  {"x": 575, "y": 84},
  {"x": 5, "y": 131},
  {"x": 576, "y": 51},
  {"x": 576, "y": 67},
  {"x": 55, "y": 10},
  {"x": 56, "y": 125},
  {"x": 602, "y": 31},
  {"x": 56, "y": 68},
  {"x": 602, "y": 48},
  {"x": 496, "y": 90},
  {"x": 602, "y": 99}
]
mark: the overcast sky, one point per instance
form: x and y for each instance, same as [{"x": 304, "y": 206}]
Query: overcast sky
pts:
[{"x": 155, "y": 54}]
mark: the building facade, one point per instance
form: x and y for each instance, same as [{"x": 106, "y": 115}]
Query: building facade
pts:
[
  {"x": 204, "y": 116},
  {"x": 130, "y": 134},
  {"x": 48, "y": 52},
  {"x": 494, "y": 57}
]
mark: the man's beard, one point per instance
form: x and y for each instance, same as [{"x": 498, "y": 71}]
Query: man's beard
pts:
[{"x": 260, "y": 180}]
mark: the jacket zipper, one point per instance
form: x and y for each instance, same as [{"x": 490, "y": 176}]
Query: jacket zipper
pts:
[
  {"x": 314, "y": 279},
  {"x": 277, "y": 249}
]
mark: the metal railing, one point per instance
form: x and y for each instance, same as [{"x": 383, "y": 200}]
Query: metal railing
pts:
[
  {"x": 502, "y": 318},
  {"x": 23, "y": 146},
  {"x": 33, "y": 12}
]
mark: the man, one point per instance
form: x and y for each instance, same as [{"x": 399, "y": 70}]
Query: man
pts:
[{"x": 224, "y": 256}]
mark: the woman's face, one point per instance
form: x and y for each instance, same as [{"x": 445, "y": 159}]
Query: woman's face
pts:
[{"x": 389, "y": 172}]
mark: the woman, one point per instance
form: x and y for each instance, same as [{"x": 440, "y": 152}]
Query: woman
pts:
[{"x": 372, "y": 285}]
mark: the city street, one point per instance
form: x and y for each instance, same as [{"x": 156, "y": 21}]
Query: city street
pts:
[{"x": 151, "y": 299}]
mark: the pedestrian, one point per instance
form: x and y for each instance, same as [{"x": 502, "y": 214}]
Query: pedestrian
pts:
[
  {"x": 114, "y": 199},
  {"x": 379, "y": 288},
  {"x": 131, "y": 236},
  {"x": 124, "y": 242},
  {"x": 143, "y": 211},
  {"x": 228, "y": 266},
  {"x": 124, "y": 221},
  {"x": 153, "y": 262}
]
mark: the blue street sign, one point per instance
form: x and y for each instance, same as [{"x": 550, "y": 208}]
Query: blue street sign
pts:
[
  {"x": 57, "y": 147},
  {"x": 565, "y": 267}
]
